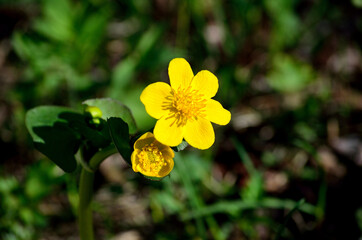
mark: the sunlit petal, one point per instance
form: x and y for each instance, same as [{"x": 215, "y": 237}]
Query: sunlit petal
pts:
[
  {"x": 154, "y": 97},
  {"x": 206, "y": 83},
  {"x": 180, "y": 73},
  {"x": 168, "y": 132},
  {"x": 216, "y": 113},
  {"x": 199, "y": 133}
]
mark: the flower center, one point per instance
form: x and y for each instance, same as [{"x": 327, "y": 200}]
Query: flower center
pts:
[
  {"x": 185, "y": 104},
  {"x": 151, "y": 159}
]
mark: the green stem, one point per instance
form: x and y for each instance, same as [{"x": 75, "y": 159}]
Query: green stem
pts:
[
  {"x": 289, "y": 215},
  {"x": 85, "y": 219},
  {"x": 101, "y": 155}
]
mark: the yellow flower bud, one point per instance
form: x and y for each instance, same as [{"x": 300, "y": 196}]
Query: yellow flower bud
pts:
[
  {"x": 94, "y": 112},
  {"x": 152, "y": 158}
]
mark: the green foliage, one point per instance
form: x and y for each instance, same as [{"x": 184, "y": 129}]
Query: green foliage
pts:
[
  {"x": 20, "y": 217},
  {"x": 124, "y": 71},
  {"x": 285, "y": 23},
  {"x": 289, "y": 75},
  {"x": 52, "y": 135},
  {"x": 264, "y": 53},
  {"x": 63, "y": 46},
  {"x": 305, "y": 132},
  {"x": 41, "y": 179},
  {"x": 180, "y": 194},
  {"x": 289, "y": 215},
  {"x": 113, "y": 108},
  {"x": 269, "y": 159},
  {"x": 57, "y": 21},
  {"x": 120, "y": 136},
  {"x": 253, "y": 190},
  {"x": 59, "y": 132},
  {"x": 357, "y": 3},
  {"x": 359, "y": 218}
]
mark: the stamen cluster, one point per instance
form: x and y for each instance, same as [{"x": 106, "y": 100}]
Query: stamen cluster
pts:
[
  {"x": 185, "y": 104},
  {"x": 151, "y": 158}
]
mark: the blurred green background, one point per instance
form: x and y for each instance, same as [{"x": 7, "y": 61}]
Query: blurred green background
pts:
[{"x": 288, "y": 166}]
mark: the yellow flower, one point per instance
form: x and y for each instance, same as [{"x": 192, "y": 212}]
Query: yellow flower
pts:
[
  {"x": 152, "y": 158},
  {"x": 185, "y": 109}
]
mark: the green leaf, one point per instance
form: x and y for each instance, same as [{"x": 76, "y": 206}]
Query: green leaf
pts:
[
  {"x": 113, "y": 108},
  {"x": 125, "y": 71},
  {"x": 41, "y": 178},
  {"x": 253, "y": 190},
  {"x": 118, "y": 130},
  {"x": 91, "y": 33},
  {"x": 358, "y": 215},
  {"x": 289, "y": 75},
  {"x": 52, "y": 135},
  {"x": 122, "y": 75},
  {"x": 357, "y": 3},
  {"x": 287, "y": 218},
  {"x": 57, "y": 20},
  {"x": 97, "y": 136}
]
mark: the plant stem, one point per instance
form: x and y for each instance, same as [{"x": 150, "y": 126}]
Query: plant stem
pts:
[
  {"x": 98, "y": 158},
  {"x": 289, "y": 215},
  {"x": 85, "y": 218}
]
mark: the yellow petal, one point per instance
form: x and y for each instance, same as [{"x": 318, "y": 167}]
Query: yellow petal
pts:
[
  {"x": 216, "y": 113},
  {"x": 162, "y": 147},
  {"x": 199, "y": 133},
  {"x": 206, "y": 83},
  {"x": 142, "y": 141},
  {"x": 134, "y": 160},
  {"x": 154, "y": 97},
  {"x": 168, "y": 132},
  {"x": 167, "y": 151},
  {"x": 165, "y": 170},
  {"x": 180, "y": 73}
]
